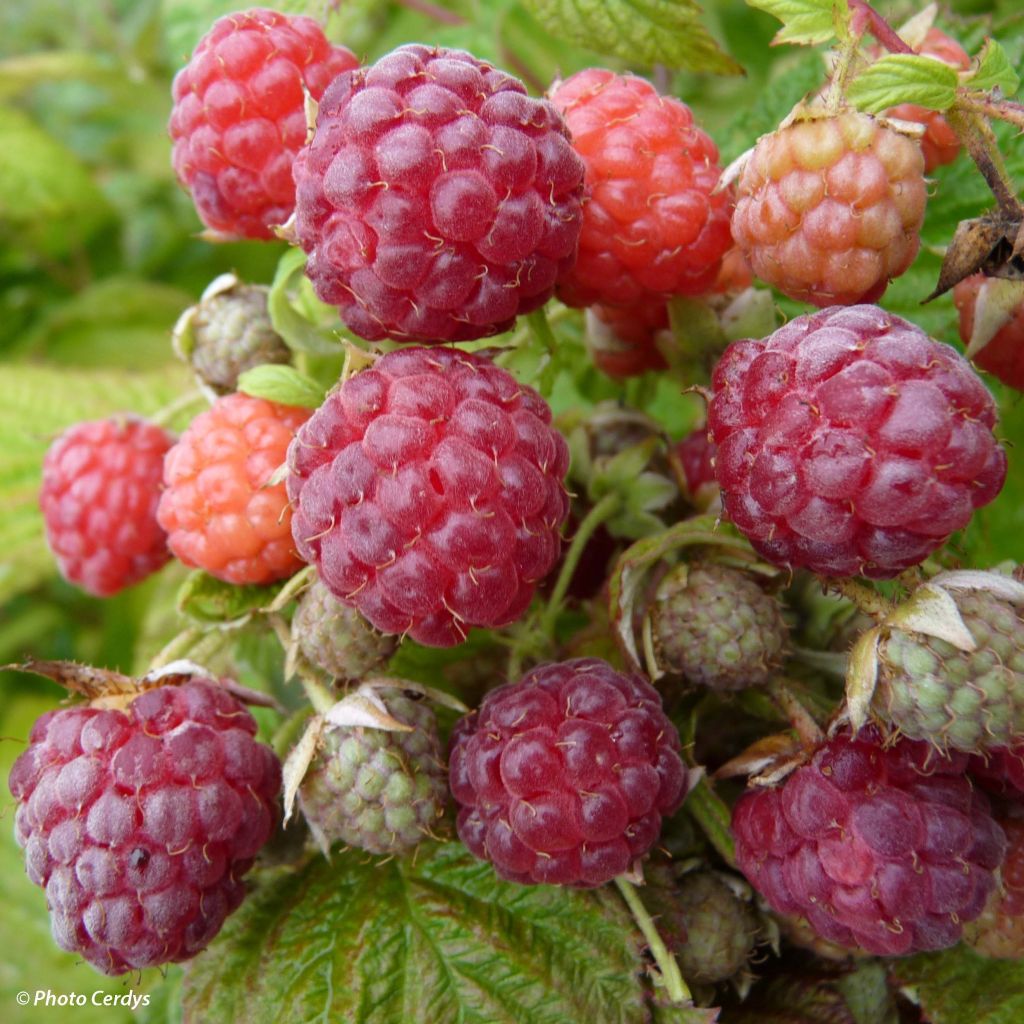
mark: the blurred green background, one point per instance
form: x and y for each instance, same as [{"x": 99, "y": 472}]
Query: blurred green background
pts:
[{"x": 99, "y": 254}]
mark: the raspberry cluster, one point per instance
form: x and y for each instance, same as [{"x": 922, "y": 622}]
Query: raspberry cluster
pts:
[
  {"x": 140, "y": 824},
  {"x": 437, "y": 201},
  {"x": 565, "y": 776},
  {"x": 829, "y": 209},
  {"x": 849, "y": 442},
  {"x": 239, "y": 119},
  {"x": 218, "y": 509},
  {"x": 428, "y": 492},
  {"x": 653, "y": 224},
  {"x": 101, "y": 485},
  {"x": 888, "y": 848}
]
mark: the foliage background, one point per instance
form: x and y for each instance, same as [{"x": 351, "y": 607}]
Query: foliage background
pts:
[{"x": 99, "y": 255}]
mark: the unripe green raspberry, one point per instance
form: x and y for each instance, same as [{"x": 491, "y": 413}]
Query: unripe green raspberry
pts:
[
  {"x": 721, "y": 929},
  {"x": 378, "y": 790},
  {"x": 716, "y": 627},
  {"x": 227, "y": 333},
  {"x": 336, "y": 638},
  {"x": 966, "y": 700}
]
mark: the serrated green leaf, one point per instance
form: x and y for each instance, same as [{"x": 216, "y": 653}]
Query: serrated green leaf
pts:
[
  {"x": 994, "y": 70},
  {"x": 435, "y": 940},
  {"x": 805, "y": 21},
  {"x": 904, "y": 78},
  {"x": 208, "y": 600},
  {"x": 666, "y": 32},
  {"x": 282, "y": 384},
  {"x": 959, "y": 986}
]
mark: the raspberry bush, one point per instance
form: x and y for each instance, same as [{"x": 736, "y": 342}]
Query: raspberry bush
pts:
[{"x": 505, "y": 517}]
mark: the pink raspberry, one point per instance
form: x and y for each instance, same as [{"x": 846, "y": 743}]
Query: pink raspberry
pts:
[
  {"x": 140, "y": 823},
  {"x": 219, "y": 509},
  {"x": 428, "y": 493},
  {"x": 939, "y": 144},
  {"x": 239, "y": 117},
  {"x": 437, "y": 201},
  {"x": 885, "y": 846},
  {"x": 849, "y": 442},
  {"x": 653, "y": 223},
  {"x": 1003, "y": 354},
  {"x": 565, "y": 776},
  {"x": 101, "y": 485},
  {"x": 829, "y": 209}
]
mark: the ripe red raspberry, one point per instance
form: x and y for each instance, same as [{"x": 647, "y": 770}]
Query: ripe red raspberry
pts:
[
  {"x": 101, "y": 485},
  {"x": 437, "y": 201},
  {"x": 849, "y": 442},
  {"x": 218, "y": 510},
  {"x": 695, "y": 456},
  {"x": 140, "y": 824},
  {"x": 239, "y": 118},
  {"x": 939, "y": 144},
  {"x": 622, "y": 340},
  {"x": 1003, "y": 354},
  {"x": 1001, "y": 770},
  {"x": 999, "y": 932},
  {"x": 651, "y": 223},
  {"x": 564, "y": 777},
  {"x": 883, "y": 846},
  {"x": 829, "y": 210},
  {"x": 428, "y": 493}
]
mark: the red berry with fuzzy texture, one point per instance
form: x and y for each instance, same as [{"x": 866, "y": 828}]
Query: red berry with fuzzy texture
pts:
[
  {"x": 829, "y": 209},
  {"x": 140, "y": 823},
  {"x": 565, "y": 776},
  {"x": 239, "y": 116},
  {"x": 437, "y": 201},
  {"x": 652, "y": 224},
  {"x": 428, "y": 492},
  {"x": 939, "y": 143},
  {"x": 219, "y": 510},
  {"x": 849, "y": 442},
  {"x": 101, "y": 485},
  {"x": 1003, "y": 354},
  {"x": 883, "y": 846}
]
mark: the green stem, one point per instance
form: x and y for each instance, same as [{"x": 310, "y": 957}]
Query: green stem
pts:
[
  {"x": 866, "y": 598},
  {"x": 538, "y": 321},
  {"x": 319, "y": 695},
  {"x": 600, "y": 513},
  {"x": 176, "y": 648},
  {"x": 708, "y": 809},
  {"x": 976, "y": 134},
  {"x": 165, "y": 415},
  {"x": 799, "y": 717},
  {"x": 678, "y": 993}
]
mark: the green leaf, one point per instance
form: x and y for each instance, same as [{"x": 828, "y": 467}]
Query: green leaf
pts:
[
  {"x": 305, "y": 323},
  {"x": 904, "y": 78},
  {"x": 282, "y": 384},
  {"x": 666, "y": 32},
  {"x": 994, "y": 71},
  {"x": 27, "y": 70},
  {"x": 805, "y": 21},
  {"x": 438, "y": 939},
  {"x": 208, "y": 600},
  {"x": 958, "y": 986}
]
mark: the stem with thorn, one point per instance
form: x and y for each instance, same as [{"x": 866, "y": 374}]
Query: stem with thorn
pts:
[
  {"x": 866, "y": 17},
  {"x": 799, "y": 717},
  {"x": 865, "y": 598},
  {"x": 676, "y": 988},
  {"x": 976, "y": 134}
]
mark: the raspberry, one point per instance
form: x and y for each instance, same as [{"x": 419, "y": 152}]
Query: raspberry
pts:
[
  {"x": 218, "y": 510},
  {"x": 227, "y": 333},
  {"x": 715, "y": 626},
  {"x": 564, "y": 777},
  {"x": 829, "y": 210},
  {"x": 140, "y": 824},
  {"x": 939, "y": 144},
  {"x": 428, "y": 493},
  {"x": 437, "y": 201},
  {"x": 1003, "y": 354},
  {"x": 336, "y": 638},
  {"x": 850, "y": 442},
  {"x": 695, "y": 456},
  {"x": 239, "y": 117},
  {"x": 1001, "y": 770},
  {"x": 101, "y": 485},
  {"x": 966, "y": 700},
  {"x": 622, "y": 340},
  {"x": 883, "y": 846},
  {"x": 999, "y": 932},
  {"x": 652, "y": 223},
  {"x": 376, "y": 790}
]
